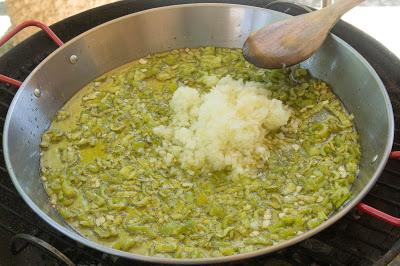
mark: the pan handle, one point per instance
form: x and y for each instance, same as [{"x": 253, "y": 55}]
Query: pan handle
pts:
[
  {"x": 362, "y": 207},
  {"x": 17, "y": 29},
  {"x": 394, "y": 155}
]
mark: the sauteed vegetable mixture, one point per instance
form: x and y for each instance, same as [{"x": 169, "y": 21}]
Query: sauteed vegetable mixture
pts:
[{"x": 108, "y": 169}]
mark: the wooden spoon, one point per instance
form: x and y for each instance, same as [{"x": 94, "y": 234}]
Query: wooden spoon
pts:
[{"x": 288, "y": 42}]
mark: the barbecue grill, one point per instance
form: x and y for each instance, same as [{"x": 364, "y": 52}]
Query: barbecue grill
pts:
[{"x": 357, "y": 239}]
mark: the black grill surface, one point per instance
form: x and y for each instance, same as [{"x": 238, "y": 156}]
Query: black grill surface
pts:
[{"x": 354, "y": 240}]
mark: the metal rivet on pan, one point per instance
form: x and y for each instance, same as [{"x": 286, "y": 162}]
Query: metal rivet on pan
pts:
[
  {"x": 374, "y": 158},
  {"x": 73, "y": 59},
  {"x": 36, "y": 92}
]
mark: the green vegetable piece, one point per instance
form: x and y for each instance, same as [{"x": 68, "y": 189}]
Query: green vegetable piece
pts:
[
  {"x": 68, "y": 190},
  {"x": 339, "y": 196},
  {"x": 201, "y": 199},
  {"x": 139, "y": 229},
  {"x": 313, "y": 223},
  {"x": 165, "y": 247},
  {"x": 227, "y": 251},
  {"x": 125, "y": 242},
  {"x": 172, "y": 229},
  {"x": 126, "y": 171},
  {"x": 259, "y": 240},
  {"x": 103, "y": 233},
  {"x": 217, "y": 211},
  {"x": 163, "y": 76},
  {"x": 139, "y": 75},
  {"x": 61, "y": 115}
]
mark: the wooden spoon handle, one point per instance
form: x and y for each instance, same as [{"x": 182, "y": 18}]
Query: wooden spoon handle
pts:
[
  {"x": 340, "y": 7},
  {"x": 293, "y": 40}
]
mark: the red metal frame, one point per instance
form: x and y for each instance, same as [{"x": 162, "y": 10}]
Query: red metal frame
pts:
[
  {"x": 17, "y": 29},
  {"x": 361, "y": 206},
  {"x": 11, "y": 81},
  {"x": 394, "y": 155}
]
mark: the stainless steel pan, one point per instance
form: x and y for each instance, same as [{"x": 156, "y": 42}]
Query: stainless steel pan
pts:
[{"x": 120, "y": 41}]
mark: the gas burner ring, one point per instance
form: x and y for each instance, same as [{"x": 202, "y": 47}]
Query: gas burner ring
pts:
[{"x": 38, "y": 243}]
